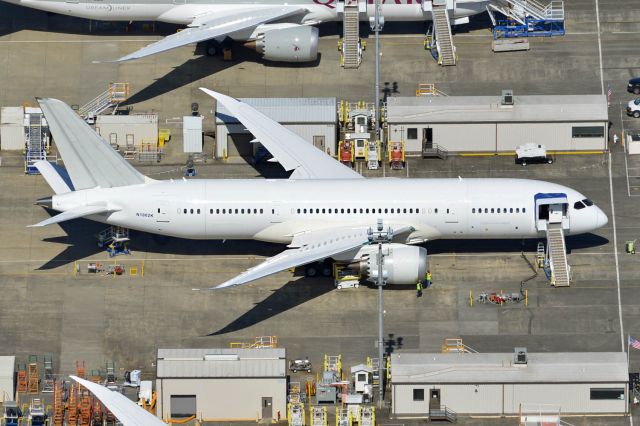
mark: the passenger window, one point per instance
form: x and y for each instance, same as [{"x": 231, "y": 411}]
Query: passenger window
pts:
[
  {"x": 317, "y": 210},
  {"x": 323, "y": 211},
  {"x": 386, "y": 210},
  {"x": 261, "y": 211},
  {"x": 379, "y": 210},
  {"x": 367, "y": 210},
  {"x": 404, "y": 210},
  {"x": 436, "y": 210},
  {"x": 255, "y": 211},
  {"x": 511, "y": 210},
  {"x": 524, "y": 210},
  {"x": 348, "y": 210},
  {"x": 517, "y": 210},
  {"x": 486, "y": 210},
  {"x": 473, "y": 210},
  {"x": 361, "y": 210},
  {"x": 392, "y": 211},
  {"x": 248, "y": 211},
  {"x": 305, "y": 210},
  {"x": 158, "y": 210},
  {"x": 191, "y": 211},
  {"x": 236, "y": 211},
  {"x": 498, "y": 210},
  {"x": 410, "y": 210},
  {"x": 198, "y": 211},
  {"x": 185, "y": 211},
  {"x": 447, "y": 211}
]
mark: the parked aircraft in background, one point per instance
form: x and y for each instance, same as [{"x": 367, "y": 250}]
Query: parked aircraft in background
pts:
[
  {"x": 280, "y": 30},
  {"x": 323, "y": 211}
]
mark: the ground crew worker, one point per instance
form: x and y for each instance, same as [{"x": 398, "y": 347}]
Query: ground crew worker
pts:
[
  {"x": 419, "y": 289},
  {"x": 428, "y": 279}
]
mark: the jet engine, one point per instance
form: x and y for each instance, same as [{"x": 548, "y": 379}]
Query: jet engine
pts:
[
  {"x": 292, "y": 44},
  {"x": 403, "y": 264}
]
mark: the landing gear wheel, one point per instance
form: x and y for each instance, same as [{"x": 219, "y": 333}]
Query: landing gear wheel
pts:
[
  {"x": 326, "y": 269},
  {"x": 213, "y": 48},
  {"x": 311, "y": 270}
]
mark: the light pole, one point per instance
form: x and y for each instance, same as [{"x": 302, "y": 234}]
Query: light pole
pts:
[
  {"x": 380, "y": 236},
  {"x": 376, "y": 26}
]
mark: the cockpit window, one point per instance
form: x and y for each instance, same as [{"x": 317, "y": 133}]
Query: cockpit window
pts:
[
  {"x": 587, "y": 202},
  {"x": 578, "y": 205}
]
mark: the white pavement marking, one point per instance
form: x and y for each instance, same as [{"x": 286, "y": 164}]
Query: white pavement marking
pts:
[
  {"x": 626, "y": 165},
  {"x": 599, "y": 46},
  {"x": 113, "y": 40},
  {"x": 615, "y": 254}
]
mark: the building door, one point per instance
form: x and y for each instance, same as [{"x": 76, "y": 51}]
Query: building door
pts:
[
  {"x": 434, "y": 399},
  {"x": 267, "y": 407},
  {"x": 427, "y": 138},
  {"x": 239, "y": 145},
  {"x": 318, "y": 142}
]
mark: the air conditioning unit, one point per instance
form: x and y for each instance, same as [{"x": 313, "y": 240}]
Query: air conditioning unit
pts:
[
  {"x": 507, "y": 97},
  {"x": 520, "y": 356}
]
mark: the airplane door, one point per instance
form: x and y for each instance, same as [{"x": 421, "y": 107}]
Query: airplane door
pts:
[
  {"x": 162, "y": 216},
  {"x": 276, "y": 216}
]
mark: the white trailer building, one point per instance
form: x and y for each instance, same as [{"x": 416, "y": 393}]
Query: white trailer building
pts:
[
  {"x": 313, "y": 119},
  {"x": 222, "y": 384},
  {"x": 7, "y": 383},
  {"x": 139, "y": 130},
  {"x": 498, "y": 384},
  {"x": 493, "y": 124}
]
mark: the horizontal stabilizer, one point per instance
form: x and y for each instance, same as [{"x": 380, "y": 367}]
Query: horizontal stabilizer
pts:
[
  {"x": 127, "y": 411},
  {"x": 53, "y": 177},
  {"x": 73, "y": 214}
]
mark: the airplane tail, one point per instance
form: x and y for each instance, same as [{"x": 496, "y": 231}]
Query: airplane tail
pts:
[{"x": 89, "y": 160}]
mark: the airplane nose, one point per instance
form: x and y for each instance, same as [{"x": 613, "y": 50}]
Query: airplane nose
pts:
[{"x": 601, "y": 218}]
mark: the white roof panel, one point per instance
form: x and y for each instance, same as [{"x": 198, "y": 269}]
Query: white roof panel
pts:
[
  {"x": 487, "y": 109},
  {"x": 564, "y": 367},
  {"x": 181, "y": 363},
  {"x": 287, "y": 110}
]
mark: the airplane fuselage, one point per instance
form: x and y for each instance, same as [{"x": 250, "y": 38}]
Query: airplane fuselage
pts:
[
  {"x": 184, "y": 12},
  {"x": 274, "y": 210}
]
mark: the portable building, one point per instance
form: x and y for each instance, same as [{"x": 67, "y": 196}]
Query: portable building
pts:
[
  {"x": 501, "y": 383},
  {"x": 7, "y": 381},
  {"x": 12, "y": 135},
  {"x": 313, "y": 119},
  {"x": 222, "y": 384},
  {"x": 493, "y": 124},
  {"x": 139, "y": 130},
  {"x": 192, "y": 134}
]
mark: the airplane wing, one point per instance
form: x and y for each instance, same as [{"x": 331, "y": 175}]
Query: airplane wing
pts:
[
  {"x": 305, "y": 248},
  {"x": 293, "y": 152},
  {"x": 127, "y": 411},
  {"x": 89, "y": 159},
  {"x": 214, "y": 27}
]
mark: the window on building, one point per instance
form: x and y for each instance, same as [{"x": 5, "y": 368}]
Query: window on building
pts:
[
  {"x": 606, "y": 393},
  {"x": 587, "y": 132},
  {"x": 418, "y": 394},
  {"x": 412, "y": 133}
]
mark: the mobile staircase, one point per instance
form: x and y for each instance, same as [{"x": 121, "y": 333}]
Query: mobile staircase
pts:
[
  {"x": 559, "y": 269},
  {"x": 350, "y": 46},
  {"x": 526, "y": 18},
  {"x": 36, "y": 141},
  {"x": 446, "y": 51},
  {"x": 115, "y": 94},
  {"x": 443, "y": 413}
]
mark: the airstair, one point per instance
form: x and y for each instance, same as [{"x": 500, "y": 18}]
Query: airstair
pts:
[
  {"x": 443, "y": 37},
  {"x": 527, "y": 18},
  {"x": 115, "y": 94},
  {"x": 351, "y": 47},
  {"x": 36, "y": 135},
  {"x": 557, "y": 254},
  {"x": 455, "y": 345}
]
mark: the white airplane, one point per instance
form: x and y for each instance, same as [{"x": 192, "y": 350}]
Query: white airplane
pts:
[
  {"x": 281, "y": 30},
  {"x": 323, "y": 211}
]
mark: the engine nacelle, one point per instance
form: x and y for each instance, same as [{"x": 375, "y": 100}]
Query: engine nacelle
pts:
[
  {"x": 293, "y": 44},
  {"x": 403, "y": 264}
]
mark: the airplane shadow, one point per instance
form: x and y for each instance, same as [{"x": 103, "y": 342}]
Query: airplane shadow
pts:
[
  {"x": 289, "y": 296},
  {"x": 204, "y": 66}
]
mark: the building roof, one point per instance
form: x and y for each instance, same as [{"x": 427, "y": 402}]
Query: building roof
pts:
[
  {"x": 184, "y": 363},
  {"x": 7, "y": 366},
  {"x": 483, "y": 109},
  {"x": 562, "y": 367},
  {"x": 287, "y": 110}
]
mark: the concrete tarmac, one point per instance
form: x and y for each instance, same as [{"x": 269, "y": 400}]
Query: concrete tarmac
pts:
[{"x": 47, "y": 308}]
